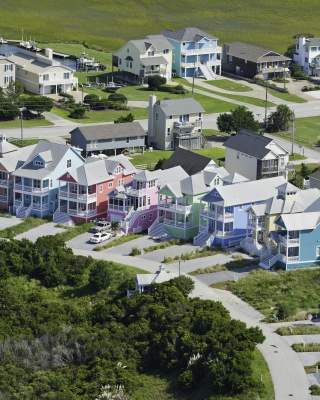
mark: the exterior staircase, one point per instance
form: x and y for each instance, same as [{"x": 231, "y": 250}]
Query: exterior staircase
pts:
[
  {"x": 62, "y": 218},
  {"x": 207, "y": 72},
  {"x": 269, "y": 261},
  {"x": 251, "y": 247},
  {"x": 203, "y": 239},
  {"x": 157, "y": 229},
  {"x": 23, "y": 212}
]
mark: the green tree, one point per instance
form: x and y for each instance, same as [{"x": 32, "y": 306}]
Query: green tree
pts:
[
  {"x": 242, "y": 118},
  {"x": 225, "y": 123},
  {"x": 39, "y": 104},
  {"x": 127, "y": 118},
  {"x": 155, "y": 82},
  {"x": 77, "y": 112},
  {"x": 118, "y": 98},
  {"x": 279, "y": 120},
  {"x": 100, "y": 276}
]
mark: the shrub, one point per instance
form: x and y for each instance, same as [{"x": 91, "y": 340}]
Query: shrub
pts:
[
  {"x": 91, "y": 98},
  {"x": 8, "y": 111},
  {"x": 155, "y": 82},
  {"x": 118, "y": 98},
  {"x": 77, "y": 112},
  {"x": 126, "y": 118},
  {"x": 100, "y": 276},
  {"x": 135, "y": 251}
]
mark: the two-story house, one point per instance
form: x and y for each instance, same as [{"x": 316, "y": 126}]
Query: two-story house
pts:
[
  {"x": 36, "y": 182},
  {"x": 84, "y": 191},
  {"x": 175, "y": 123},
  {"x": 10, "y": 161},
  {"x": 224, "y": 216},
  {"x": 255, "y": 156},
  {"x": 40, "y": 74},
  {"x": 145, "y": 57},
  {"x": 252, "y": 61},
  {"x": 195, "y": 53},
  {"x": 307, "y": 55},
  {"x": 7, "y": 72},
  {"x": 135, "y": 206},
  {"x": 109, "y": 138}
]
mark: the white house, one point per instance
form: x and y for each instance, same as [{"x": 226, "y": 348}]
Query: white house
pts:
[
  {"x": 40, "y": 74},
  {"x": 255, "y": 156},
  {"x": 7, "y": 72},
  {"x": 145, "y": 57},
  {"x": 307, "y": 55},
  {"x": 175, "y": 123}
]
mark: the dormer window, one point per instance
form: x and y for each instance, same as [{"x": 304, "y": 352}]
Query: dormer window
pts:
[
  {"x": 38, "y": 163},
  {"x": 68, "y": 163},
  {"x": 150, "y": 53}
]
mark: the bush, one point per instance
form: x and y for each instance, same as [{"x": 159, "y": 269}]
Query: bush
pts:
[
  {"x": 155, "y": 82},
  {"x": 126, "y": 118},
  {"x": 178, "y": 89},
  {"x": 77, "y": 112},
  {"x": 8, "y": 110},
  {"x": 118, "y": 98},
  {"x": 100, "y": 276},
  {"x": 135, "y": 251}
]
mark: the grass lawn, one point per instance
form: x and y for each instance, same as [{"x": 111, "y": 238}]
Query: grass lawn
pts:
[
  {"x": 307, "y": 131},
  {"x": 296, "y": 157},
  {"x": 25, "y": 225},
  {"x": 292, "y": 294},
  {"x": 150, "y": 158},
  {"x": 24, "y": 142},
  {"x": 287, "y": 96},
  {"x": 212, "y": 132},
  {"x": 102, "y": 116},
  {"x": 227, "y": 84},
  {"x": 29, "y": 123},
  {"x": 142, "y": 93},
  {"x": 298, "y": 330}
]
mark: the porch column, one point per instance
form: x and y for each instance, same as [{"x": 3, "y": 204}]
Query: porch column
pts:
[
  {"x": 77, "y": 199},
  {"x": 175, "y": 219},
  {"x": 223, "y": 217}
]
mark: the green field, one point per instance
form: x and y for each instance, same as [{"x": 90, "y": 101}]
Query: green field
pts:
[
  {"x": 108, "y": 24},
  {"x": 287, "y": 96},
  {"x": 307, "y": 131},
  {"x": 30, "y": 123},
  {"x": 227, "y": 84}
]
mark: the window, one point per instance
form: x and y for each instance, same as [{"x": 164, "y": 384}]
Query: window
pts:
[
  {"x": 101, "y": 188},
  {"x": 228, "y": 227},
  {"x": 110, "y": 185},
  {"x": 150, "y": 53},
  {"x": 165, "y": 51},
  {"x": 46, "y": 77},
  {"x": 68, "y": 163},
  {"x": 293, "y": 252},
  {"x": 318, "y": 251},
  {"x": 38, "y": 163},
  {"x": 128, "y": 140},
  {"x": 168, "y": 131},
  {"x": 66, "y": 75},
  {"x": 148, "y": 201}
]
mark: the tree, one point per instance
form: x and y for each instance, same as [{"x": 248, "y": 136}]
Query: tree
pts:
[
  {"x": 39, "y": 104},
  {"x": 242, "y": 118},
  {"x": 77, "y": 112},
  {"x": 100, "y": 276},
  {"x": 297, "y": 71},
  {"x": 118, "y": 98},
  {"x": 225, "y": 123},
  {"x": 127, "y": 118},
  {"x": 279, "y": 120},
  {"x": 14, "y": 91},
  {"x": 155, "y": 82},
  {"x": 8, "y": 110}
]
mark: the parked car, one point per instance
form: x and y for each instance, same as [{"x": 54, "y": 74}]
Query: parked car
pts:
[
  {"x": 101, "y": 226},
  {"x": 100, "y": 237}
]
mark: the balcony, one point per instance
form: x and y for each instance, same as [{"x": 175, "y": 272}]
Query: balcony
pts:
[
  {"x": 82, "y": 213},
  {"x": 287, "y": 242},
  {"x": 4, "y": 182},
  {"x": 86, "y": 197},
  {"x": 180, "y": 208},
  {"x": 201, "y": 51},
  {"x": 3, "y": 199},
  {"x": 176, "y": 224},
  {"x": 30, "y": 189},
  {"x": 38, "y": 206},
  {"x": 187, "y": 126},
  {"x": 114, "y": 207}
]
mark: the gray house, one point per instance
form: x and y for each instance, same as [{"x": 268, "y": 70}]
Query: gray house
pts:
[
  {"x": 175, "y": 123},
  {"x": 108, "y": 138}
]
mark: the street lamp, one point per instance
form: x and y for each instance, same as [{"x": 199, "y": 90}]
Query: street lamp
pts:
[
  {"x": 292, "y": 119},
  {"x": 21, "y": 109}
]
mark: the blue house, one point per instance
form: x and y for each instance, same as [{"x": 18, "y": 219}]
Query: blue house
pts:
[
  {"x": 36, "y": 182},
  {"x": 298, "y": 239},
  {"x": 224, "y": 216},
  {"x": 195, "y": 53}
]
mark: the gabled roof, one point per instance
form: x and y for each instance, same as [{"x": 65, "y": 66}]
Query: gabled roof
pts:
[
  {"x": 191, "y": 162},
  {"x": 5, "y": 146},
  {"x": 313, "y": 41},
  {"x": 158, "y": 42},
  {"x": 180, "y": 106},
  {"x": 14, "y": 160},
  {"x": 191, "y": 34},
  {"x": 299, "y": 221},
  {"x": 250, "y": 52},
  {"x": 109, "y": 131},
  {"x": 249, "y": 143},
  {"x": 194, "y": 185},
  {"x": 246, "y": 192}
]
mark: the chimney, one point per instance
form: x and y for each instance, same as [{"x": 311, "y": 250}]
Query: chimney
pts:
[
  {"x": 48, "y": 53},
  {"x": 151, "y": 127}
]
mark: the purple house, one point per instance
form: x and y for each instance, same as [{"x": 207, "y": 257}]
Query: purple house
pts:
[{"x": 135, "y": 206}]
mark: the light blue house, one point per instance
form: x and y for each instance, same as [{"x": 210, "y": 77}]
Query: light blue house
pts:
[
  {"x": 195, "y": 53},
  {"x": 298, "y": 239},
  {"x": 224, "y": 216},
  {"x": 36, "y": 182}
]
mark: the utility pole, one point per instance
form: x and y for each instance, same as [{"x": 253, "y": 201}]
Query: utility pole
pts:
[
  {"x": 266, "y": 108},
  {"x": 292, "y": 132},
  {"x": 284, "y": 75},
  {"x": 179, "y": 266},
  {"x": 194, "y": 72},
  {"x": 21, "y": 109}
]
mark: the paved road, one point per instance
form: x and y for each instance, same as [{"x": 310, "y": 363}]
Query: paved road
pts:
[
  {"x": 43, "y": 230},
  {"x": 8, "y": 222},
  {"x": 302, "y": 339}
]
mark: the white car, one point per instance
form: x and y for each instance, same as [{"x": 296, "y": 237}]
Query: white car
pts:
[{"x": 100, "y": 237}]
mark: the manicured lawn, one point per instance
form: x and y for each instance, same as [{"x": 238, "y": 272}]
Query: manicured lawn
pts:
[
  {"x": 296, "y": 157},
  {"x": 307, "y": 131},
  {"x": 30, "y": 123},
  {"x": 150, "y": 158},
  {"x": 212, "y": 132},
  {"x": 24, "y": 142},
  {"x": 212, "y": 105},
  {"x": 142, "y": 93},
  {"x": 298, "y": 330},
  {"x": 283, "y": 295},
  {"x": 102, "y": 116},
  {"x": 227, "y": 84},
  {"x": 287, "y": 96},
  {"x": 26, "y": 224}
]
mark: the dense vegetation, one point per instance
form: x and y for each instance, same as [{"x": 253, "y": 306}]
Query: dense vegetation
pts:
[{"x": 68, "y": 331}]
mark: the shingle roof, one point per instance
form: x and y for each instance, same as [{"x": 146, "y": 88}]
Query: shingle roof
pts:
[
  {"x": 300, "y": 221},
  {"x": 191, "y": 162},
  {"x": 109, "y": 131},
  {"x": 249, "y": 143},
  {"x": 180, "y": 106},
  {"x": 147, "y": 61},
  {"x": 191, "y": 34},
  {"x": 12, "y": 161},
  {"x": 31, "y": 63},
  {"x": 253, "y": 53},
  {"x": 313, "y": 41},
  {"x": 159, "y": 42},
  {"x": 194, "y": 184}
]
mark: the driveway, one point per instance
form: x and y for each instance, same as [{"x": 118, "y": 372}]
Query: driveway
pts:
[
  {"x": 8, "y": 222},
  {"x": 309, "y": 358},
  {"x": 302, "y": 339},
  {"x": 48, "y": 229}
]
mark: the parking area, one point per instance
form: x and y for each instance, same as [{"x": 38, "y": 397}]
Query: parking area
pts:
[
  {"x": 8, "y": 222},
  {"x": 48, "y": 229},
  {"x": 302, "y": 339}
]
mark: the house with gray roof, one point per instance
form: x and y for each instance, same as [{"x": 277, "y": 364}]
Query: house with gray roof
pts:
[
  {"x": 145, "y": 57},
  {"x": 36, "y": 181},
  {"x": 307, "y": 54},
  {"x": 253, "y": 61},
  {"x": 108, "y": 138},
  {"x": 195, "y": 53},
  {"x": 255, "y": 156},
  {"x": 41, "y": 74},
  {"x": 175, "y": 123},
  {"x": 7, "y": 72}
]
